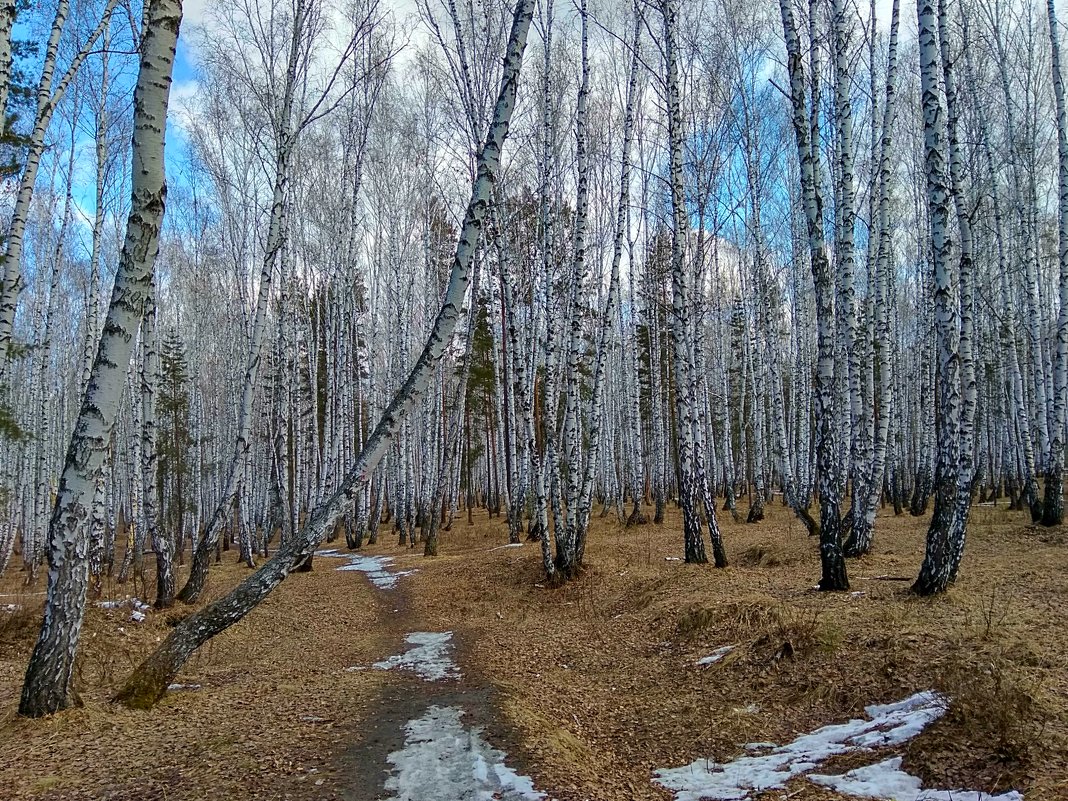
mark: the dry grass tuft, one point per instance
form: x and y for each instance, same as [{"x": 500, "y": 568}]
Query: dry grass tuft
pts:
[
  {"x": 994, "y": 735},
  {"x": 19, "y": 626},
  {"x": 1000, "y": 701},
  {"x": 771, "y": 631},
  {"x": 769, "y": 555}
]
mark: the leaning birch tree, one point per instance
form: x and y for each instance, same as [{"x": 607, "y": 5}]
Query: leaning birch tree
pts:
[
  {"x": 149, "y": 681},
  {"x": 47, "y": 687}
]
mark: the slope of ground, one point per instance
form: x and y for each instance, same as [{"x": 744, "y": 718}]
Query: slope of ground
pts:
[
  {"x": 596, "y": 684},
  {"x": 274, "y": 698}
]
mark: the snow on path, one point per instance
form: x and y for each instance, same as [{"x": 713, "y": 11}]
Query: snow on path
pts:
[
  {"x": 429, "y": 658},
  {"x": 889, "y": 724},
  {"x": 886, "y": 780},
  {"x": 441, "y": 759},
  {"x": 374, "y": 567}
]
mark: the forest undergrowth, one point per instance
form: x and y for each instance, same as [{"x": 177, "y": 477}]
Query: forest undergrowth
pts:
[{"x": 598, "y": 681}]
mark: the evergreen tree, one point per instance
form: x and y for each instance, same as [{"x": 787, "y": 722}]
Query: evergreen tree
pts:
[{"x": 175, "y": 437}]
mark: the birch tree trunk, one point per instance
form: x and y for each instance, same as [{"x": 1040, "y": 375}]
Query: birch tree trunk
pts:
[
  {"x": 1053, "y": 505},
  {"x": 8, "y": 12},
  {"x": 845, "y": 261},
  {"x": 581, "y": 492},
  {"x": 966, "y": 288},
  {"x": 47, "y": 687},
  {"x": 162, "y": 542},
  {"x": 685, "y": 403},
  {"x": 865, "y": 505},
  {"x": 935, "y": 572},
  {"x": 827, "y": 470}
]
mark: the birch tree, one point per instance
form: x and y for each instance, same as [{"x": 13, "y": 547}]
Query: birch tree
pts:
[
  {"x": 1053, "y": 504},
  {"x": 827, "y": 470},
  {"x": 47, "y": 687},
  {"x": 937, "y": 565}
]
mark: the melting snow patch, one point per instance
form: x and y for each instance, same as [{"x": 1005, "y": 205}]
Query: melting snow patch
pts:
[
  {"x": 11, "y": 607},
  {"x": 176, "y": 687},
  {"x": 137, "y": 607},
  {"x": 429, "y": 658},
  {"x": 443, "y": 760},
  {"x": 890, "y": 724},
  {"x": 885, "y": 780},
  {"x": 715, "y": 656},
  {"x": 374, "y": 567}
]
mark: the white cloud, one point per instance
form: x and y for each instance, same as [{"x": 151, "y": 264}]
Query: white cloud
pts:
[{"x": 193, "y": 12}]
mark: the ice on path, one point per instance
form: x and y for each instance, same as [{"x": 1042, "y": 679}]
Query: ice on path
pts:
[
  {"x": 885, "y": 780},
  {"x": 889, "y": 724},
  {"x": 443, "y": 760},
  {"x": 430, "y": 657},
  {"x": 715, "y": 656},
  {"x": 374, "y": 567}
]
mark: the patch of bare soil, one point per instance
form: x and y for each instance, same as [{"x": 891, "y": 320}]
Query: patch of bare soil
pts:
[{"x": 596, "y": 683}]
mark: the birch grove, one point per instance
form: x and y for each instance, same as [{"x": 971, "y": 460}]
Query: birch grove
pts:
[{"x": 534, "y": 261}]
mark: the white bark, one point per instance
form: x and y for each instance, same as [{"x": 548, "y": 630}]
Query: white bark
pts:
[{"x": 686, "y": 418}]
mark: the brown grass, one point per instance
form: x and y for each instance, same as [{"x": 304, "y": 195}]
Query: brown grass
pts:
[
  {"x": 609, "y": 661},
  {"x": 275, "y": 701},
  {"x": 597, "y": 679}
]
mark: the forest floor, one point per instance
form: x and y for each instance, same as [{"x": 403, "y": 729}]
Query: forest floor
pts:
[{"x": 589, "y": 688}]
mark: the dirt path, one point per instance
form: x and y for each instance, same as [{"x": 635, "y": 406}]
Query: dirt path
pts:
[{"x": 434, "y": 733}]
